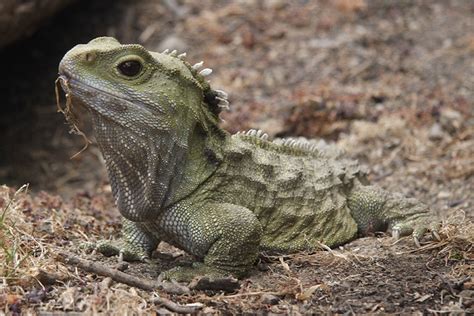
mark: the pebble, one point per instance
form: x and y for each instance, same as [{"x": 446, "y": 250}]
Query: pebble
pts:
[
  {"x": 436, "y": 132},
  {"x": 122, "y": 266},
  {"x": 450, "y": 120},
  {"x": 467, "y": 297},
  {"x": 469, "y": 285},
  {"x": 106, "y": 283},
  {"x": 443, "y": 195},
  {"x": 270, "y": 299}
]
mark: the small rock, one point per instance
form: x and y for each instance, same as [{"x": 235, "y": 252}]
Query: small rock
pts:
[
  {"x": 436, "y": 132},
  {"x": 450, "y": 120},
  {"x": 46, "y": 226},
  {"x": 270, "y": 299},
  {"x": 469, "y": 285},
  {"x": 36, "y": 296},
  {"x": 455, "y": 203},
  {"x": 262, "y": 266},
  {"x": 106, "y": 283},
  {"x": 443, "y": 195},
  {"x": 46, "y": 278},
  {"x": 173, "y": 42},
  {"x": 276, "y": 4},
  {"x": 122, "y": 266},
  {"x": 467, "y": 297}
]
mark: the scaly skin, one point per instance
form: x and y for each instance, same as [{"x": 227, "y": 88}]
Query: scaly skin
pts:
[{"x": 177, "y": 177}]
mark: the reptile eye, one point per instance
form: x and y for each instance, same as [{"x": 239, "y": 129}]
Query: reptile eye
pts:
[{"x": 130, "y": 68}]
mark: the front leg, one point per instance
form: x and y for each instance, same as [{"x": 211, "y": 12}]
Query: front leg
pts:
[
  {"x": 225, "y": 236},
  {"x": 137, "y": 242}
]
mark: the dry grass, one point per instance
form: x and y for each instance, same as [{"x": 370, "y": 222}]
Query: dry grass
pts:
[{"x": 20, "y": 251}]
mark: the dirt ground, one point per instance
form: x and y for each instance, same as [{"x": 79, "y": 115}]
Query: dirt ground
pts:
[{"x": 391, "y": 82}]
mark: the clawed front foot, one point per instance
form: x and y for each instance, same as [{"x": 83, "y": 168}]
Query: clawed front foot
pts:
[
  {"x": 113, "y": 248},
  {"x": 198, "y": 269},
  {"x": 136, "y": 244}
]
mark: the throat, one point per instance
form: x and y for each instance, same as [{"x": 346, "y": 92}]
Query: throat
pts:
[
  {"x": 150, "y": 172},
  {"x": 144, "y": 171}
]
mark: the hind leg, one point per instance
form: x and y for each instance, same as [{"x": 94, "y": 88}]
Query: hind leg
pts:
[
  {"x": 375, "y": 209},
  {"x": 225, "y": 237}
]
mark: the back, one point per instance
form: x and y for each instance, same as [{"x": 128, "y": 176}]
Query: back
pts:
[{"x": 298, "y": 194}]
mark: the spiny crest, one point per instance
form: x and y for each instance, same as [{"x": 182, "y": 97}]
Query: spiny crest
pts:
[
  {"x": 258, "y": 133},
  {"x": 216, "y": 99},
  {"x": 312, "y": 146},
  {"x": 298, "y": 143}
]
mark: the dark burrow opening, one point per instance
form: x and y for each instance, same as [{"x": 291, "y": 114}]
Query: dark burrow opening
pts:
[{"x": 36, "y": 147}]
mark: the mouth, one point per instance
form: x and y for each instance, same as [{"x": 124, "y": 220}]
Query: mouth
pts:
[{"x": 122, "y": 104}]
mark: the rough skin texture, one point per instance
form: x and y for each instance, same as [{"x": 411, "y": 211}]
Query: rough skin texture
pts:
[{"x": 177, "y": 177}]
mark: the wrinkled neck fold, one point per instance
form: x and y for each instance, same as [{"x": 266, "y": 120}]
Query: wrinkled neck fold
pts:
[{"x": 144, "y": 172}]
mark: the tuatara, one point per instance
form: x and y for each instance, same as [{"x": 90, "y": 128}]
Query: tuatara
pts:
[{"x": 178, "y": 177}]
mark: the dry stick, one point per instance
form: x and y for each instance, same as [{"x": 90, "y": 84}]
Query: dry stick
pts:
[
  {"x": 120, "y": 276},
  {"x": 249, "y": 294},
  {"x": 177, "y": 308}
]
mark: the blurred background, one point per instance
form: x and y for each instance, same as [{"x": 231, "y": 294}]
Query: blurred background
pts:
[{"x": 391, "y": 82}]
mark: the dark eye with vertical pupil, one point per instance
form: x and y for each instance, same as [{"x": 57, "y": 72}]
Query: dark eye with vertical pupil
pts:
[{"x": 130, "y": 68}]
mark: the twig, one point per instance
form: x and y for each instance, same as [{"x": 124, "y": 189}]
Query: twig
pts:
[
  {"x": 178, "y": 308},
  {"x": 429, "y": 246},
  {"x": 121, "y": 277},
  {"x": 260, "y": 293}
]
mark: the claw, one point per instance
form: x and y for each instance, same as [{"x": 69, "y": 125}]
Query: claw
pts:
[
  {"x": 396, "y": 233},
  {"x": 417, "y": 241},
  {"x": 436, "y": 235}
]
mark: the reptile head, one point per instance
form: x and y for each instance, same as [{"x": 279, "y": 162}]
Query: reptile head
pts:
[
  {"x": 147, "y": 109},
  {"x": 127, "y": 82}
]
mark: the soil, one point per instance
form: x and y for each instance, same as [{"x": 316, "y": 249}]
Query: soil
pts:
[{"x": 391, "y": 82}]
